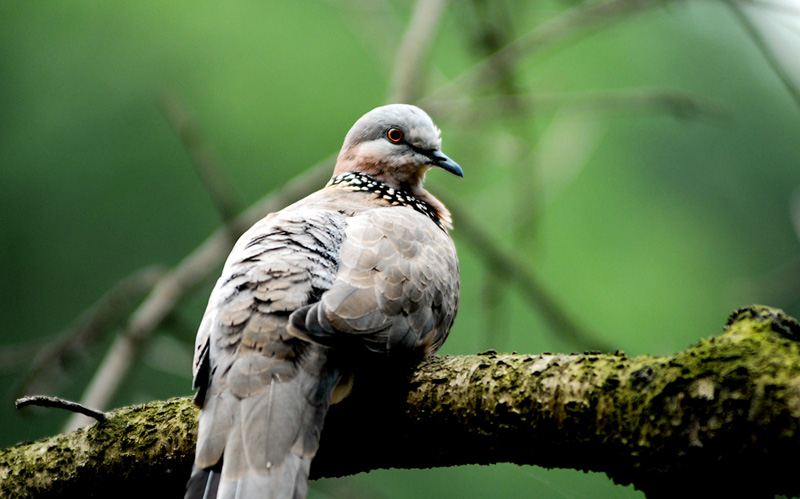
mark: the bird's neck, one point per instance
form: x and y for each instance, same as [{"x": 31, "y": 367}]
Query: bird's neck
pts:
[{"x": 413, "y": 196}]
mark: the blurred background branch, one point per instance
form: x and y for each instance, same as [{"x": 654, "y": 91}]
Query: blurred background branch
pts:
[
  {"x": 679, "y": 105},
  {"x": 208, "y": 168},
  {"x": 746, "y": 20},
  {"x": 412, "y": 54}
]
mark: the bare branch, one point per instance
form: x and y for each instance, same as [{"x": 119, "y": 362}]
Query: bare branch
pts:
[{"x": 59, "y": 403}]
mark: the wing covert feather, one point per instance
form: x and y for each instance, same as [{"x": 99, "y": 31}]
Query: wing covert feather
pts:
[{"x": 397, "y": 286}]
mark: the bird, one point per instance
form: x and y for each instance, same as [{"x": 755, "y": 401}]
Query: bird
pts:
[{"x": 363, "y": 267}]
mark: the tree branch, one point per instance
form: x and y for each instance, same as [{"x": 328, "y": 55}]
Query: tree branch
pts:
[
  {"x": 59, "y": 403},
  {"x": 722, "y": 416},
  {"x": 763, "y": 46}
]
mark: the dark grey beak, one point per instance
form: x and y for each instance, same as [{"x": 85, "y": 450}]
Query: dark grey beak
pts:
[{"x": 439, "y": 159}]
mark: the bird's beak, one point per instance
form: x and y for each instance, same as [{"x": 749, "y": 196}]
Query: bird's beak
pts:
[{"x": 438, "y": 158}]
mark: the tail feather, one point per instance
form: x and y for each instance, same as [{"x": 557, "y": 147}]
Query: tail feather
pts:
[
  {"x": 257, "y": 439},
  {"x": 289, "y": 481},
  {"x": 203, "y": 483}
]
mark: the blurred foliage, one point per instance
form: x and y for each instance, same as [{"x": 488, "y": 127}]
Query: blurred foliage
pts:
[{"x": 648, "y": 224}]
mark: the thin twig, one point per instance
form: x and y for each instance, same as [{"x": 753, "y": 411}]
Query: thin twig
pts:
[
  {"x": 763, "y": 47},
  {"x": 508, "y": 267},
  {"x": 59, "y": 403},
  {"x": 182, "y": 279},
  {"x": 203, "y": 160}
]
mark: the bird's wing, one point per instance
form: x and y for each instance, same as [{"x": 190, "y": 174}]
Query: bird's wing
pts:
[
  {"x": 396, "y": 287},
  {"x": 263, "y": 392}
]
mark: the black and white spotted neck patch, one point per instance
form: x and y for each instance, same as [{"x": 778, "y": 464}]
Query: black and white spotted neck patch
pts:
[{"x": 361, "y": 182}]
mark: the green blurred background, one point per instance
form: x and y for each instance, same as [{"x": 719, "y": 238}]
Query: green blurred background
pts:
[{"x": 647, "y": 223}]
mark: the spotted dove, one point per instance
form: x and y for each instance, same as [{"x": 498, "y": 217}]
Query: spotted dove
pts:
[{"x": 363, "y": 265}]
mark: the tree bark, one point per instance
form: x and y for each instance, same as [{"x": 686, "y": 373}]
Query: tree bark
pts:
[{"x": 721, "y": 417}]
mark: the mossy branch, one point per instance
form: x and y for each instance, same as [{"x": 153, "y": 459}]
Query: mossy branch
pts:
[{"x": 722, "y": 416}]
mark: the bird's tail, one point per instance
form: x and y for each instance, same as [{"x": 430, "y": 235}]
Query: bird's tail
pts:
[
  {"x": 203, "y": 483},
  {"x": 256, "y": 437},
  {"x": 290, "y": 482}
]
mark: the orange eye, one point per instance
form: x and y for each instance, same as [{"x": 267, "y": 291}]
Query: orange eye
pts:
[{"x": 394, "y": 135}]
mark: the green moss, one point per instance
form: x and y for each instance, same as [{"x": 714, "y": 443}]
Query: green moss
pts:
[{"x": 726, "y": 408}]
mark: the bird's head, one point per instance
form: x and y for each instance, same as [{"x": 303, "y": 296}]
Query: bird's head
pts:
[{"x": 395, "y": 144}]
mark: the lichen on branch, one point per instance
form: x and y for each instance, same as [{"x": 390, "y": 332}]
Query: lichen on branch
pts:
[{"x": 721, "y": 416}]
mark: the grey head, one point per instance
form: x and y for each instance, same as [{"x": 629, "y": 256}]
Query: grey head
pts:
[{"x": 396, "y": 144}]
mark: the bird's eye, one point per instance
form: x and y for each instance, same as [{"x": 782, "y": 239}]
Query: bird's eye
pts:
[{"x": 395, "y": 135}]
